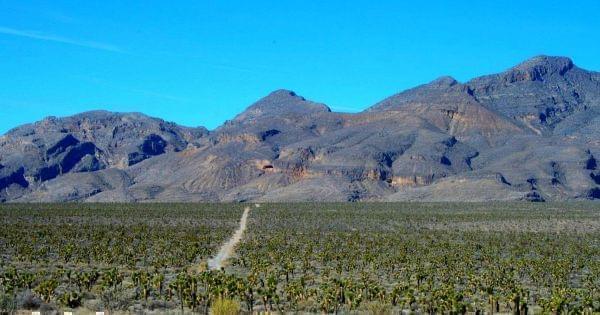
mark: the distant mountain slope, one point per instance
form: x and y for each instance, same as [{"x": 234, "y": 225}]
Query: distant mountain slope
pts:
[
  {"x": 88, "y": 142},
  {"x": 541, "y": 93},
  {"x": 529, "y": 133}
]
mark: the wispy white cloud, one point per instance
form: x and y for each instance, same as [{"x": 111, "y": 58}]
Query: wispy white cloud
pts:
[{"x": 59, "y": 39}]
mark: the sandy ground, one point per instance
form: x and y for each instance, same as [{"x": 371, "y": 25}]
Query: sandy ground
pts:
[{"x": 227, "y": 249}]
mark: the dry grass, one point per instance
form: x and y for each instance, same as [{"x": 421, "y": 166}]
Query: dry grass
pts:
[{"x": 225, "y": 307}]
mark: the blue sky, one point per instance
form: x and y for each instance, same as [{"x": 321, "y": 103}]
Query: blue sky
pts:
[{"x": 202, "y": 62}]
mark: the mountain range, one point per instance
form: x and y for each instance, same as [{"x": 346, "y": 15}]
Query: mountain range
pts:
[{"x": 530, "y": 133}]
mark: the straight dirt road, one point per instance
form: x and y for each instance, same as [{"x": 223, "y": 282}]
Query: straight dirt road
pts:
[{"x": 226, "y": 250}]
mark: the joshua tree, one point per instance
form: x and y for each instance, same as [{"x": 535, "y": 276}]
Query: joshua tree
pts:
[{"x": 46, "y": 289}]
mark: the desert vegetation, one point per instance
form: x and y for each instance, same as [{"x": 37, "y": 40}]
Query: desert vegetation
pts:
[
  {"x": 378, "y": 258},
  {"x": 106, "y": 257}
]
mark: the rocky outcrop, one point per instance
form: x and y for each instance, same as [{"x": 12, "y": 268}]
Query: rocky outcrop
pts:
[
  {"x": 541, "y": 92},
  {"x": 12, "y": 183},
  {"x": 90, "y": 142},
  {"x": 152, "y": 145},
  {"x": 12, "y": 177},
  {"x": 280, "y": 103}
]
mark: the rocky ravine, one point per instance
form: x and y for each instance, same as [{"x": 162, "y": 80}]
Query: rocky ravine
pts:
[{"x": 529, "y": 133}]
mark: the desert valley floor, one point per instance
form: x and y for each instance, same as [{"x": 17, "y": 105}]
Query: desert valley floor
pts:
[{"x": 378, "y": 258}]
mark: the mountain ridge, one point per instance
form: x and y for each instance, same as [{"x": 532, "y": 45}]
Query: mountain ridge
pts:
[{"x": 528, "y": 133}]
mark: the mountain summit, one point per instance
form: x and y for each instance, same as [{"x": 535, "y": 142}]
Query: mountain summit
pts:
[
  {"x": 281, "y": 103},
  {"x": 528, "y": 133},
  {"x": 538, "y": 67}
]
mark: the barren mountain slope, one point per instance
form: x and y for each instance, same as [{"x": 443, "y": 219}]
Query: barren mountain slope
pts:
[{"x": 528, "y": 133}]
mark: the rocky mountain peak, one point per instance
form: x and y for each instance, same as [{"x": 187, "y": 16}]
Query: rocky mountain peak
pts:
[
  {"x": 444, "y": 81},
  {"x": 280, "y": 103},
  {"x": 539, "y": 67},
  {"x": 528, "y": 133},
  {"x": 445, "y": 89},
  {"x": 283, "y": 94}
]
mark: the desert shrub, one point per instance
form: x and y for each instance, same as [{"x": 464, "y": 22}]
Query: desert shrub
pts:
[
  {"x": 225, "y": 307},
  {"x": 93, "y": 305},
  {"x": 7, "y": 304},
  {"x": 28, "y": 301},
  {"x": 47, "y": 308},
  {"x": 70, "y": 299},
  {"x": 160, "y": 305},
  {"x": 116, "y": 299},
  {"x": 377, "y": 308}
]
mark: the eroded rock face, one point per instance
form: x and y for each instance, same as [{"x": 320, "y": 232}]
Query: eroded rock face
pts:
[
  {"x": 12, "y": 183},
  {"x": 70, "y": 155},
  {"x": 152, "y": 145},
  {"x": 9, "y": 177},
  {"x": 528, "y": 133},
  {"x": 541, "y": 92},
  {"x": 89, "y": 142}
]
